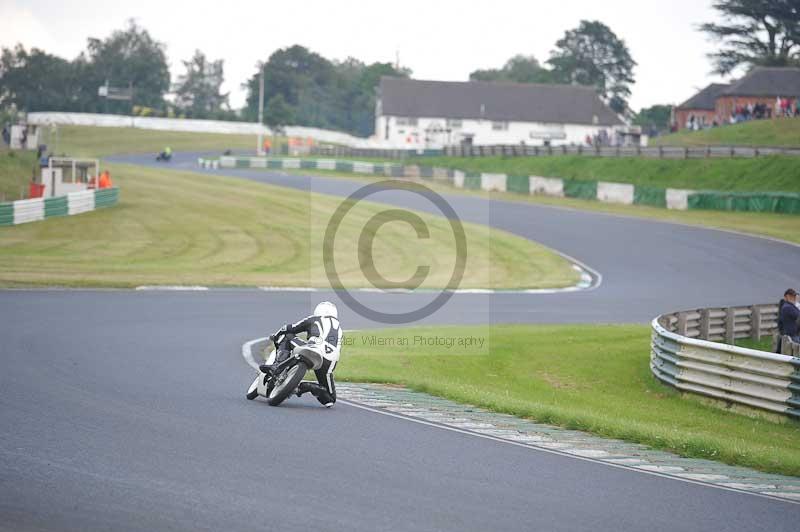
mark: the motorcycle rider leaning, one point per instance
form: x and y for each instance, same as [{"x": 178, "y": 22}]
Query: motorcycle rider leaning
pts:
[{"x": 322, "y": 327}]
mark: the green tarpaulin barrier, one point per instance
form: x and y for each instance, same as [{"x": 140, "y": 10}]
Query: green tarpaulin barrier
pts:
[
  {"x": 242, "y": 163},
  {"x": 521, "y": 184},
  {"x": 472, "y": 181},
  {"x": 7, "y": 214},
  {"x": 106, "y": 197},
  {"x": 426, "y": 172},
  {"x": 644, "y": 195},
  {"x": 745, "y": 202},
  {"x": 578, "y": 188},
  {"x": 344, "y": 166},
  {"x": 56, "y": 206},
  {"x": 308, "y": 164},
  {"x": 789, "y": 203},
  {"x": 275, "y": 163}
]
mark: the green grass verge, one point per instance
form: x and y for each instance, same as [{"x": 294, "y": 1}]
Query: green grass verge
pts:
[
  {"x": 90, "y": 141},
  {"x": 762, "y": 344},
  {"x": 774, "y": 173},
  {"x": 781, "y": 132},
  {"x": 587, "y": 377},
  {"x": 16, "y": 170},
  {"x": 188, "y": 228}
]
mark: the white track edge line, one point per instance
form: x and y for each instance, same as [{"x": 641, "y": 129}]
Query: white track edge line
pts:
[
  {"x": 567, "y": 455},
  {"x": 247, "y": 354}
]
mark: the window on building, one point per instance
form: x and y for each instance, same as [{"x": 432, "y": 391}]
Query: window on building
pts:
[
  {"x": 500, "y": 126},
  {"x": 454, "y": 123},
  {"x": 406, "y": 121}
]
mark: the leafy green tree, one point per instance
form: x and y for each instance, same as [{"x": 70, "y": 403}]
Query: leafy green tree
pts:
[
  {"x": 288, "y": 72},
  {"x": 277, "y": 113},
  {"x": 519, "y": 69},
  {"x": 656, "y": 116},
  {"x": 129, "y": 57},
  {"x": 755, "y": 32},
  {"x": 37, "y": 81},
  {"x": 319, "y": 92},
  {"x": 592, "y": 54},
  {"x": 198, "y": 91}
]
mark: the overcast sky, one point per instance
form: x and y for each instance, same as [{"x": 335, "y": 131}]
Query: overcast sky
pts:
[{"x": 440, "y": 40}]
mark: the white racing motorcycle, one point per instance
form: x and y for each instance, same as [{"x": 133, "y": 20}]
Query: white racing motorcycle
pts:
[{"x": 286, "y": 376}]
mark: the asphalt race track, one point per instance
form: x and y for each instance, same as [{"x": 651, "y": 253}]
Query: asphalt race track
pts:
[{"x": 125, "y": 410}]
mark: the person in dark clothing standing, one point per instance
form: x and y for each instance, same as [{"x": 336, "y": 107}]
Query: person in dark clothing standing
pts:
[{"x": 788, "y": 316}]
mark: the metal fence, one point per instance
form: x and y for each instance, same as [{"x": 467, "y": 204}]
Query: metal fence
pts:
[
  {"x": 518, "y": 150},
  {"x": 684, "y": 355}
]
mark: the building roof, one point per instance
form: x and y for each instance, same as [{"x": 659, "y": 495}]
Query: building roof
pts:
[
  {"x": 513, "y": 102},
  {"x": 706, "y": 99},
  {"x": 767, "y": 81}
]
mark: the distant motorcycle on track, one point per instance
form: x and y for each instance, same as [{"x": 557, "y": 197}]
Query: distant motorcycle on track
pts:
[
  {"x": 164, "y": 157},
  {"x": 285, "y": 376}
]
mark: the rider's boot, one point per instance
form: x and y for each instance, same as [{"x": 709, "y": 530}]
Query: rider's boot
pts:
[
  {"x": 282, "y": 355},
  {"x": 317, "y": 391},
  {"x": 305, "y": 387}
]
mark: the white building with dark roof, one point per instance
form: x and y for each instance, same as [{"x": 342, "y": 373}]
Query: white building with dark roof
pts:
[{"x": 434, "y": 114}]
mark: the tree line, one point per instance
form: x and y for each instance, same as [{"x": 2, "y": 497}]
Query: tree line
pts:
[
  {"x": 304, "y": 88},
  {"x": 301, "y": 86}
]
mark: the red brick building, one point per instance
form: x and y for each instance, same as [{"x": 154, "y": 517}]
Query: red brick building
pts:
[
  {"x": 702, "y": 107},
  {"x": 762, "y": 85},
  {"x": 717, "y": 102}
]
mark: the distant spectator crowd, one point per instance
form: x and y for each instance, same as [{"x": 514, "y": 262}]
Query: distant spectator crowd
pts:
[{"x": 783, "y": 108}]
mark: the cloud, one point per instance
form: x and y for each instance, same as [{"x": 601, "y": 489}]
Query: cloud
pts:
[{"x": 18, "y": 24}]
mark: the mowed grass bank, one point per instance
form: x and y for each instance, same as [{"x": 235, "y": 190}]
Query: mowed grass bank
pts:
[
  {"x": 188, "y": 228},
  {"x": 762, "y": 174},
  {"x": 16, "y": 170},
  {"x": 587, "y": 377},
  {"x": 90, "y": 141},
  {"x": 778, "y": 132}
]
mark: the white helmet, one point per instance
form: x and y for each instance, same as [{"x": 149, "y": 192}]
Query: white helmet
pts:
[{"x": 326, "y": 308}]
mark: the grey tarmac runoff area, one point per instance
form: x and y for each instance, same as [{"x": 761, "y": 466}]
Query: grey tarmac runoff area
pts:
[{"x": 139, "y": 422}]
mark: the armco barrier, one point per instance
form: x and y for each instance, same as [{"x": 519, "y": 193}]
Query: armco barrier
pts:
[
  {"x": 623, "y": 193},
  {"x": 683, "y": 356},
  {"x": 31, "y": 210}
]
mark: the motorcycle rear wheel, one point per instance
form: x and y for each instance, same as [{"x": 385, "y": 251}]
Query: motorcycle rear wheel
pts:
[{"x": 291, "y": 378}]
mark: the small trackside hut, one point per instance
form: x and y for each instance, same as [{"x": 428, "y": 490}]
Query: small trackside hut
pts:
[{"x": 62, "y": 175}]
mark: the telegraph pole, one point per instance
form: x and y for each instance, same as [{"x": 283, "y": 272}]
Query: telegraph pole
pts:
[{"x": 260, "y": 146}]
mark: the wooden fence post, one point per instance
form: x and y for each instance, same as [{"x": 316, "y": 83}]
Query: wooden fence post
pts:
[
  {"x": 755, "y": 322},
  {"x": 705, "y": 315},
  {"x": 730, "y": 331},
  {"x": 681, "y": 324}
]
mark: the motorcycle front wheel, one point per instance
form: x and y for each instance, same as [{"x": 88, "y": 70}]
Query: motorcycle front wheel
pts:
[
  {"x": 252, "y": 392},
  {"x": 286, "y": 383}
]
